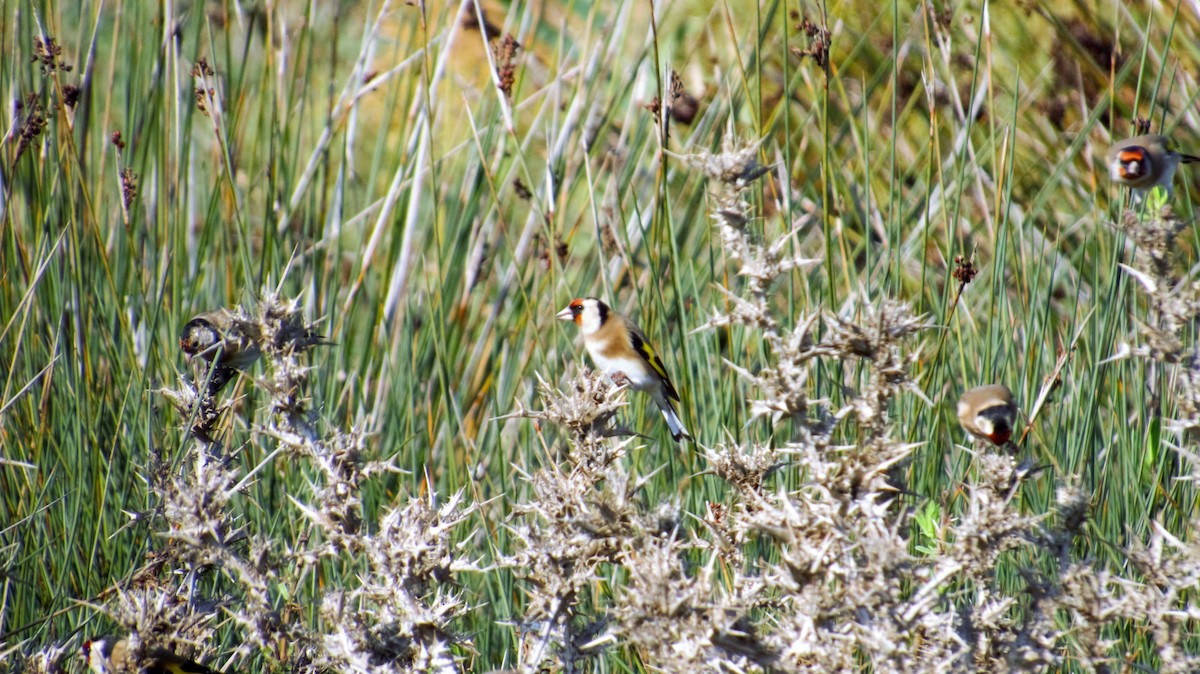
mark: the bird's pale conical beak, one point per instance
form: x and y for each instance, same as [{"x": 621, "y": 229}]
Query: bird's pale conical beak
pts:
[{"x": 565, "y": 315}]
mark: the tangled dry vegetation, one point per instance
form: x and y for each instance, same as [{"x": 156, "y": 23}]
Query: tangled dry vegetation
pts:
[
  {"x": 821, "y": 577},
  {"x": 398, "y": 614},
  {"x": 825, "y": 577}
]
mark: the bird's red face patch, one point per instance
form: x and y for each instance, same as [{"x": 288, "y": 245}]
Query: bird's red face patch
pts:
[
  {"x": 1000, "y": 437},
  {"x": 576, "y": 308},
  {"x": 1132, "y": 163}
]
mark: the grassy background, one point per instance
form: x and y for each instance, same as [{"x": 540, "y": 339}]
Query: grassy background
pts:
[{"x": 394, "y": 212}]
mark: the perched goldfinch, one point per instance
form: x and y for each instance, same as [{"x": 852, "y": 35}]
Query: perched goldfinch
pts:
[
  {"x": 1145, "y": 162},
  {"x": 622, "y": 351},
  {"x": 988, "y": 412},
  {"x": 214, "y": 335},
  {"x": 109, "y": 655}
]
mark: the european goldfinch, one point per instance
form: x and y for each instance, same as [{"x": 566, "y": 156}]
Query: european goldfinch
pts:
[
  {"x": 1145, "y": 162},
  {"x": 215, "y": 335},
  {"x": 622, "y": 351},
  {"x": 989, "y": 413},
  {"x": 109, "y": 655}
]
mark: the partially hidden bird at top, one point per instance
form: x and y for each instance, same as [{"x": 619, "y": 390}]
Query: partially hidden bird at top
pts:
[{"x": 1145, "y": 162}]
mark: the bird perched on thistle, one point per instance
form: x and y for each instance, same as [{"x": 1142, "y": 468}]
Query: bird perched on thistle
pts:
[
  {"x": 232, "y": 341},
  {"x": 988, "y": 413},
  {"x": 1145, "y": 162},
  {"x": 621, "y": 350},
  {"x": 217, "y": 337},
  {"x": 224, "y": 342},
  {"x": 109, "y": 655}
]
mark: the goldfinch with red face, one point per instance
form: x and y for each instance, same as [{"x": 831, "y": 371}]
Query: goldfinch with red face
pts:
[
  {"x": 988, "y": 413},
  {"x": 622, "y": 351},
  {"x": 109, "y": 655},
  {"x": 1145, "y": 162}
]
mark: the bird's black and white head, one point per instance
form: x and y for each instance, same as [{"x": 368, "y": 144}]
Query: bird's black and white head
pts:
[
  {"x": 199, "y": 338},
  {"x": 1144, "y": 162},
  {"x": 996, "y": 423},
  {"x": 588, "y": 313}
]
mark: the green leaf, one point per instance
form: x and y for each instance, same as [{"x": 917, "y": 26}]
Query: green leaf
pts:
[{"x": 1158, "y": 197}]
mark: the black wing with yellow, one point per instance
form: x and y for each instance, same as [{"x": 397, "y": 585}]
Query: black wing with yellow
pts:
[
  {"x": 646, "y": 351},
  {"x": 164, "y": 662}
]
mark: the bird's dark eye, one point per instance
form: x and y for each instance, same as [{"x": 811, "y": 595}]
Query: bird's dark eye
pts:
[{"x": 576, "y": 308}]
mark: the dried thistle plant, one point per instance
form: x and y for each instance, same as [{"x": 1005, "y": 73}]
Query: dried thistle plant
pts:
[
  {"x": 587, "y": 410},
  {"x": 681, "y": 618},
  {"x": 396, "y": 616},
  {"x": 1174, "y": 306},
  {"x": 583, "y": 515}
]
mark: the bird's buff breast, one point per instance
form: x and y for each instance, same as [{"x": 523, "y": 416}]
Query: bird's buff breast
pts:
[{"x": 638, "y": 374}]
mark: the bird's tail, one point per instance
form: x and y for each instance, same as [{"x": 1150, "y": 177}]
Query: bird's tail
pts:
[{"x": 678, "y": 432}]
